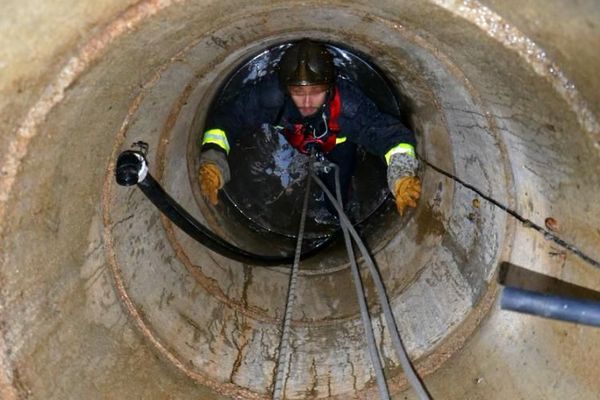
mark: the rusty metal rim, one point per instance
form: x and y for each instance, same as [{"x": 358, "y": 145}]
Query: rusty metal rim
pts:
[
  {"x": 206, "y": 282},
  {"x": 427, "y": 364}
]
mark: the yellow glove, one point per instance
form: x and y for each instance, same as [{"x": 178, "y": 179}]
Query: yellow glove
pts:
[
  {"x": 211, "y": 181},
  {"x": 407, "y": 191}
]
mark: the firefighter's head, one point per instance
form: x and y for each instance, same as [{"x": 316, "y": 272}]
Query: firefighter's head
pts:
[{"x": 306, "y": 70}]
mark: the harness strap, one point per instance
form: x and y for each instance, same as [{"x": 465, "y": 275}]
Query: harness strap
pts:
[{"x": 300, "y": 137}]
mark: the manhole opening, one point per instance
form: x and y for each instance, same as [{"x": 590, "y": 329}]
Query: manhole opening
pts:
[{"x": 267, "y": 183}]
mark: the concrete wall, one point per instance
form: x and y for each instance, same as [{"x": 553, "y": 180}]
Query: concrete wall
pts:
[{"x": 102, "y": 298}]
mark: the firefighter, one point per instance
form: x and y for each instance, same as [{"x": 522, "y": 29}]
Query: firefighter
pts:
[{"x": 306, "y": 104}]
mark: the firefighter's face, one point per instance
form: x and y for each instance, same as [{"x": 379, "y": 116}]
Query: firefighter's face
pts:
[{"x": 308, "y": 99}]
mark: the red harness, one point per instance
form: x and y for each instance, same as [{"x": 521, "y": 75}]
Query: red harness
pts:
[{"x": 300, "y": 137}]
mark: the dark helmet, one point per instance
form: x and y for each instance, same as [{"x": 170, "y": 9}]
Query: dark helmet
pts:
[{"x": 306, "y": 63}]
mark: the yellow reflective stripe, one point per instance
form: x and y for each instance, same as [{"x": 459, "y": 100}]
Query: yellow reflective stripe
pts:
[
  {"x": 340, "y": 140},
  {"x": 218, "y": 137},
  {"x": 401, "y": 148}
]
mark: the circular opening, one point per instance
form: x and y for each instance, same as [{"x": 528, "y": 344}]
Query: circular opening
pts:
[
  {"x": 436, "y": 264},
  {"x": 489, "y": 118},
  {"x": 265, "y": 194}
]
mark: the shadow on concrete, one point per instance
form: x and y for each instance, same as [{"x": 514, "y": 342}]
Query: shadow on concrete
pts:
[{"x": 515, "y": 276}]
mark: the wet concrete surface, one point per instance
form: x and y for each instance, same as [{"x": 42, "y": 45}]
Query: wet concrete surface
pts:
[{"x": 101, "y": 297}]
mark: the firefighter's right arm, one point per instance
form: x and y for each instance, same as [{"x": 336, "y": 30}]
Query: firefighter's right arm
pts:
[
  {"x": 213, "y": 173},
  {"x": 225, "y": 122},
  {"x": 251, "y": 107}
]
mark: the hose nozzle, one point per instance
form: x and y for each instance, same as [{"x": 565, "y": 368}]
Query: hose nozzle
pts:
[{"x": 131, "y": 168}]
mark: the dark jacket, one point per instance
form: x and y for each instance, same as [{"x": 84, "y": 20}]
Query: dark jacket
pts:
[{"x": 360, "y": 120}]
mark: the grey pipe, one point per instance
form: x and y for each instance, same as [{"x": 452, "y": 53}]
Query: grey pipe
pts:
[{"x": 562, "y": 308}]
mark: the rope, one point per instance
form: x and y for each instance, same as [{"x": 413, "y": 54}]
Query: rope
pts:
[{"x": 284, "y": 351}]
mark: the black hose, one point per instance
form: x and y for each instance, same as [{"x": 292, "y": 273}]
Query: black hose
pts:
[
  {"x": 132, "y": 168},
  {"x": 562, "y": 308}
]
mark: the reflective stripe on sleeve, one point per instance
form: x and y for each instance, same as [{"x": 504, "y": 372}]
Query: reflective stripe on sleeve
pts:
[
  {"x": 401, "y": 148},
  {"x": 340, "y": 140},
  {"x": 218, "y": 137}
]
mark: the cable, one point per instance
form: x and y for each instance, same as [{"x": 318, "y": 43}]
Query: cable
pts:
[
  {"x": 360, "y": 294},
  {"x": 526, "y": 222},
  {"x": 284, "y": 345},
  {"x": 407, "y": 367}
]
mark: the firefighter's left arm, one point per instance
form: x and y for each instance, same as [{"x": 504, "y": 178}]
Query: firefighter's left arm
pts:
[{"x": 385, "y": 135}]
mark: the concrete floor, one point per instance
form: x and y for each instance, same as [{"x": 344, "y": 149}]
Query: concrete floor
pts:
[{"x": 100, "y": 297}]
